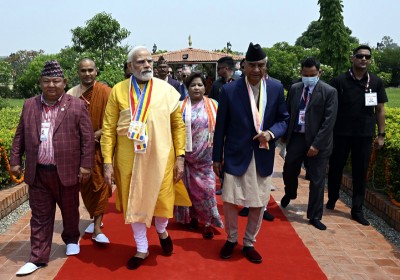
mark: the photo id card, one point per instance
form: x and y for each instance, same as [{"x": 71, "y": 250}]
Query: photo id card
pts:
[
  {"x": 44, "y": 131},
  {"x": 302, "y": 117},
  {"x": 371, "y": 99}
]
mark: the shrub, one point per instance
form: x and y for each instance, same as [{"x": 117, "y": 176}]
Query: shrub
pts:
[
  {"x": 385, "y": 171},
  {"x": 9, "y": 118}
]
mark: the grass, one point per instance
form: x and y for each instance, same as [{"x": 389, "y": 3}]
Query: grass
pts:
[
  {"x": 15, "y": 102},
  {"x": 393, "y": 95}
]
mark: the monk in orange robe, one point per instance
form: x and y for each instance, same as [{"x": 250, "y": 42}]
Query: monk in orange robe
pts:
[{"x": 95, "y": 192}]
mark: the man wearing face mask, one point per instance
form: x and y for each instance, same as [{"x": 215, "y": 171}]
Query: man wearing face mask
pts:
[{"x": 312, "y": 105}]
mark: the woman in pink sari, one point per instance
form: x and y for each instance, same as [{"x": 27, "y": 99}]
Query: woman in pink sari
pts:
[{"x": 199, "y": 114}]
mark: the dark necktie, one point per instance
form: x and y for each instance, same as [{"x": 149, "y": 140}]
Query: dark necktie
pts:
[{"x": 302, "y": 106}]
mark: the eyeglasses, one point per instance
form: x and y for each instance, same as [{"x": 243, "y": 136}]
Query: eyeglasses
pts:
[{"x": 361, "y": 56}]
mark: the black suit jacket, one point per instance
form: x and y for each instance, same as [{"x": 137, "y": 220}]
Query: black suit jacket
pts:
[{"x": 320, "y": 115}]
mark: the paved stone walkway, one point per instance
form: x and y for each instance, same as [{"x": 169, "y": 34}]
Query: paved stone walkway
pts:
[{"x": 346, "y": 250}]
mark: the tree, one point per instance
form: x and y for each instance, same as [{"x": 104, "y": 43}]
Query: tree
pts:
[
  {"x": 335, "y": 44},
  {"x": 5, "y": 78},
  {"x": 284, "y": 61},
  {"x": 20, "y": 60},
  {"x": 388, "y": 61},
  {"x": 101, "y": 35},
  {"x": 387, "y": 43},
  {"x": 312, "y": 36},
  {"x": 27, "y": 84}
]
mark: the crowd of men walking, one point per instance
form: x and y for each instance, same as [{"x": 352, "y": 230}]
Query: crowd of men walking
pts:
[{"x": 164, "y": 141}]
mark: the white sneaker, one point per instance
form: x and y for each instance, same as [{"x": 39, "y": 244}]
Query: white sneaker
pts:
[
  {"x": 28, "y": 268},
  {"x": 90, "y": 228},
  {"x": 72, "y": 249}
]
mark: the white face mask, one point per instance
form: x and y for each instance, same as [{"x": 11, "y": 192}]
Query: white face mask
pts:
[{"x": 310, "y": 81}]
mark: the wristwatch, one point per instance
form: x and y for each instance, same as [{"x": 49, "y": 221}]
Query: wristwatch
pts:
[{"x": 382, "y": 134}]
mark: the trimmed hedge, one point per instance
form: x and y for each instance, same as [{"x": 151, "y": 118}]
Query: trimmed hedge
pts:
[
  {"x": 385, "y": 171},
  {"x": 9, "y": 118}
]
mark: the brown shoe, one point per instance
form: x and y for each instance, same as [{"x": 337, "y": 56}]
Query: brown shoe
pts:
[
  {"x": 167, "y": 246},
  {"x": 227, "y": 250},
  {"x": 251, "y": 254},
  {"x": 208, "y": 232}
]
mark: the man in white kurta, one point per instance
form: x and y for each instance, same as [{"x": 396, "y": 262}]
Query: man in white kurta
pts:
[{"x": 144, "y": 171}]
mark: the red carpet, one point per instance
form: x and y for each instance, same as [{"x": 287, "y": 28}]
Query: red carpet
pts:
[{"x": 284, "y": 254}]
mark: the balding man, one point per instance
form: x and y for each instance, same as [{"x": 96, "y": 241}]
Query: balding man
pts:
[{"x": 95, "y": 192}]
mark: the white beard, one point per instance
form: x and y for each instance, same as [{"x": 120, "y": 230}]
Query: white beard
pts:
[{"x": 143, "y": 76}]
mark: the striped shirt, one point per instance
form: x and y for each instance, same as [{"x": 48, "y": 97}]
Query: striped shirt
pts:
[{"x": 49, "y": 115}]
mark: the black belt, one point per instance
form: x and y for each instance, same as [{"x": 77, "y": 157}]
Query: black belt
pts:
[{"x": 46, "y": 166}]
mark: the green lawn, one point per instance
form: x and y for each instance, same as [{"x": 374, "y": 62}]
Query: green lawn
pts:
[
  {"x": 393, "y": 95},
  {"x": 15, "y": 102}
]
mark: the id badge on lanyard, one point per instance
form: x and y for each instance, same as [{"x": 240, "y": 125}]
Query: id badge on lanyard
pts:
[
  {"x": 44, "y": 131},
  {"x": 371, "y": 98},
  {"x": 302, "y": 117}
]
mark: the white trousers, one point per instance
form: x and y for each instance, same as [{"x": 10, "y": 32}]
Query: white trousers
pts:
[{"x": 140, "y": 233}]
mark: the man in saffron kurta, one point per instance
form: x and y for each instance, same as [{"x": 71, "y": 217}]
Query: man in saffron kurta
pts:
[
  {"x": 145, "y": 171},
  {"x": 95, "y": 192}
]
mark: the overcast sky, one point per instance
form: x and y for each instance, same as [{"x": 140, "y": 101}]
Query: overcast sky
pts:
[{"x": 46, "y": 25}]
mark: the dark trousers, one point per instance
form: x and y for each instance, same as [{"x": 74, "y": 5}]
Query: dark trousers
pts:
[
  {"x": 296, "y": 154},
  {"x": 45, "y": 192},
  {"x": 360, "y": 148}
]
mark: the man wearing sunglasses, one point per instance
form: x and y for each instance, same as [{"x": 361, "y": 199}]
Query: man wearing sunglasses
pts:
[{"x": 361, "y": 98}]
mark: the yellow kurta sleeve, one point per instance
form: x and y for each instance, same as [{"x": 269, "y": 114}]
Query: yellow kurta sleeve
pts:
[
  {"x": 178, "y": 132},
  {"x": 117, "y": 101}
]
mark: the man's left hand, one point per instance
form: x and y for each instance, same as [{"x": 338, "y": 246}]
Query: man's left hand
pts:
[
  {"x": 178, "y": 169},
  {"x": 378, "y": 143},
  {"x": 264, "y": 137},
  {"x": 312, "y": 152},
  {"x": 84, "y": 174},
  {"x": 97, "y": 135}
]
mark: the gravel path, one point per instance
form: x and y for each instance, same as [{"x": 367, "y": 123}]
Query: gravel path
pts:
[{"x": 14, "y": 216}]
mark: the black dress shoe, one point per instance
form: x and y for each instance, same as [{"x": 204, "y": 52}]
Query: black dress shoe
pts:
[
  {"x": 330, "y": 205},
  {"x": 167, "y": 246},
  {"x": 219, "y": 192},
  {"x": 285, "y": 201},
  {"x": 244, "y": 212},
  {"x": 318, "y": 224},
  {"x": 268, "y": 216},
  {"x": 194, "y": 224},
  {"x": 134, "y": 263},
  {"x": 360, "y": 219},
  {"x": 227, "y": 250},
  {"x": 208, "y": 232},
  {"x": 251, "y": 254}
]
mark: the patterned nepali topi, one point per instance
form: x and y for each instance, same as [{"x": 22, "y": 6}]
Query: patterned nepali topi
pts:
[
  {"x": 255, "y": 53},
  {"x": 52, "y": 69}
]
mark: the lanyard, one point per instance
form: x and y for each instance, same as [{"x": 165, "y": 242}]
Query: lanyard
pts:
[{"x": 368, "y": 80}]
